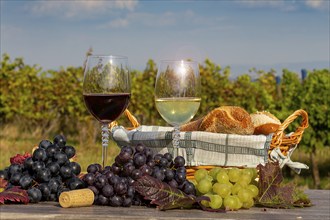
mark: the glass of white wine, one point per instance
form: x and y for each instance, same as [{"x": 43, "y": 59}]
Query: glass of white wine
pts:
[{"x": 177, "y": 94}]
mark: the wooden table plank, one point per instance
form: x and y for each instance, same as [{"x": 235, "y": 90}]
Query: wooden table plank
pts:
[{"x": 51, "y": 210}]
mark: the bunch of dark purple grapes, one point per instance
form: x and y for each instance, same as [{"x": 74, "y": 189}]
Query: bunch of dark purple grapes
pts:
[
  {"x": 48, "y": 172},
  {"x": 114, "y": 184}
]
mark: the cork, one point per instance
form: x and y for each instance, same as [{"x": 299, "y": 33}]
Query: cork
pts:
[{"x": 76, "y": 198}]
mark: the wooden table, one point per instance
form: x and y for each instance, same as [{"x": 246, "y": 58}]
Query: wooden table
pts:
[{"x": 52, "y": 210}]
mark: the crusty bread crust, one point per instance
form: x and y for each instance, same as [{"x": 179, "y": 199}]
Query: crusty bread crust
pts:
[
  {"x": 265, "y": 122},
  {"x": 228, "y": 120}
]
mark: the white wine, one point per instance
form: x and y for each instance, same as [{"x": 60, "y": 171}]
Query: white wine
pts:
[{"x": 177, "y": 111}]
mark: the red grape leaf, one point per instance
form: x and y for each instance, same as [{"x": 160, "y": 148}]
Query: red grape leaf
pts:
[
  {"x": 14, "y": 195},
  {"x": 162, "y": 194},
  {"x": 19, "y": 159},
  {"x": 272, "y": 193}
]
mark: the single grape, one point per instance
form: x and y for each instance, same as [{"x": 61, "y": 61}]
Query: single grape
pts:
[
  {"x": 140, "y": 148},
  {"x": 45, "y": 191},
  {"x": 4, "y": 174},
  {"x": 43, "y": 175},
  {"x": 44, "y": 144},
  {"x": 113, "y": 180},
  {"x": 26, "y": 181},
  {"x": 89, "y": 179},
  {"x": 60, "y": 140},
  {"x": 189, "y": 188},
  {"x": 39, "y": 155},
  {"x": 28, "y": 163},
  {"x": 116, "y": 169},
  {"x": 76, "y": 169},
  {"x": 169, "y": 174},
  {"x": 230, "y": 203},
  {"x": 179, "y": 161},
  {"x": 200, "y": 174},
  {"x": 139, "y": 159},
  {"x": 69, "y": 151},
  {"x": 216, "y": 201},
  {"x": 254, "y": 190},
  {"x": 158, "y": 174},
  {"x": 53, "y": 185},
  {"x": 163, "y": 162},
  {"x": 37, "y": 165},
  {"x": 245, "y": 194},
  {"x": 146, "y": 170},
  {"x": 15, "y": 179},
  {"x": 107, "y": 191},
  {"x": 100, "y": 181},
  {"x": 52, "y": 150},
  {"x": 222, "y": 189},
  {"x": 120, "y": 188},
  {"x": 180, "y": 177},
  {"x": 222, "y": 177},
  {"x": 66, "y": 172},
  {"x": 116, "y": 201},
  {"x": 248, "y": 204},
  {"x": 34, "y": 195},
  {"x": 204, "y": 186},
  {"x": 136, "y": 174},
  {"x": 128, "y": 149},
  {"x": 102, "y": 200},
  {"x": 60, "y": 158},
  {"x": 14, "y": 168},
  {"x": 92, "y": 168},
  {"x": 234, "y": 174},
  {"x": 54, "y": 168}
]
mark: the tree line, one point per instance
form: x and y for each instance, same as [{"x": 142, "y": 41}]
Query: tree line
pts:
[{"x": 52, "y": 100}]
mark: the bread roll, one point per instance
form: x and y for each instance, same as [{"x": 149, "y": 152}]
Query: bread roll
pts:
[
  {"x": 265, "y": 123},
  {"x": 228, "y": 120}
]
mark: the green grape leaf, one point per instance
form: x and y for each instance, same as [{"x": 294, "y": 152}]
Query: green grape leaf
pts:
[
  {"x": 272, "y": 192},
  {"x": 14, "y": 195}
]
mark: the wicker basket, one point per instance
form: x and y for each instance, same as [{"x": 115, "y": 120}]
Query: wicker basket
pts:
[{"x": 279, "y": 140}]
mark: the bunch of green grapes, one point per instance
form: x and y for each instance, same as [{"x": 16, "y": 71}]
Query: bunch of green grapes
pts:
[{"x": 230, "y": 189}]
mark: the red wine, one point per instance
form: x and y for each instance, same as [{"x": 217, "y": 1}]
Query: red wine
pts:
[{"x": 107, "y": 107}]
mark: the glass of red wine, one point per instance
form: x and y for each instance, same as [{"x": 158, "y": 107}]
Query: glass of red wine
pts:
[{"x": 106, "y": 90}]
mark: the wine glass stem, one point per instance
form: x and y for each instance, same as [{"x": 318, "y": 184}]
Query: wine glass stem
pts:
[
  {"x": 176, "y": 140},
  {"x": 105, "y": 142}
]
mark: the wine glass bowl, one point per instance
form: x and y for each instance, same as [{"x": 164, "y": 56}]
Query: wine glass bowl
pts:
[
  {"x": 177, "y": 93},
  {"x": 106, "y": 91}
]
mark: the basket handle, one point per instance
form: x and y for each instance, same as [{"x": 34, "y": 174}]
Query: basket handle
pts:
[
  {"x": 130, "y": 117},
  {"x": 278, "y": 138}
]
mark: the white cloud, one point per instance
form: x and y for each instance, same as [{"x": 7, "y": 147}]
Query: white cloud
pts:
[
  {"x": 73, "y": 9},
  {"x": 318, "y": 4},
  {"x": 286, "y": 5},
  {"x": 165, "y": 19}
]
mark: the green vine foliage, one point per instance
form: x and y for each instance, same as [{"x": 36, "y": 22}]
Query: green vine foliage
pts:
[{"x": 53, "y": 100}]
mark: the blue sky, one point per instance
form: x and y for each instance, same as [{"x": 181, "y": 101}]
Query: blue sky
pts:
[{"x": 277, "y": 34}]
